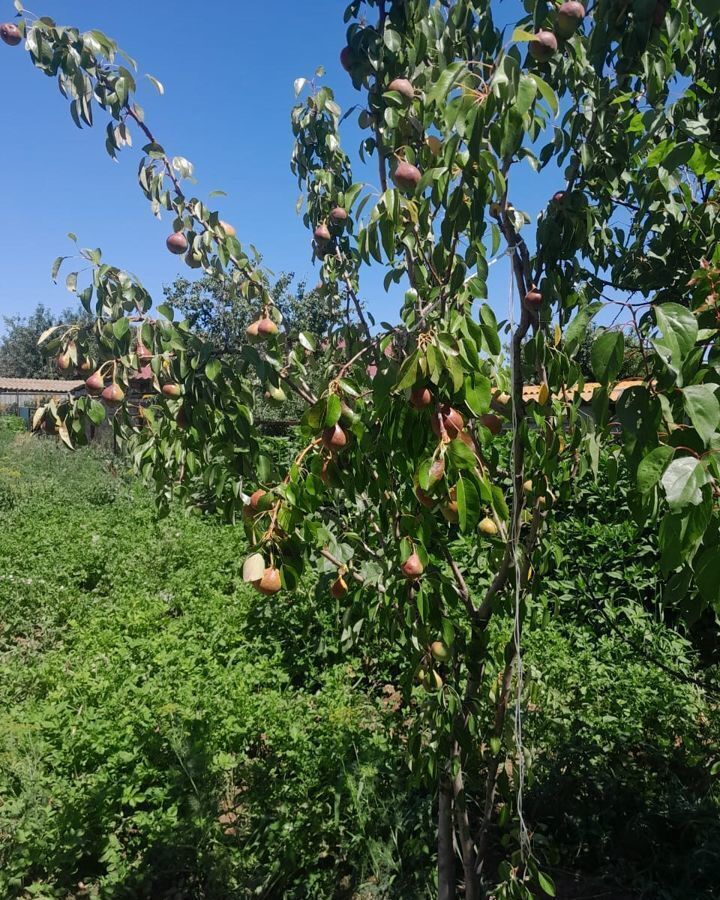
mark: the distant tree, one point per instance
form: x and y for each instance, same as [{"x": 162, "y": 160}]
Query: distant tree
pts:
[
  {"x": 221, "y": 314},
  {"x": 20, "y": 356}
]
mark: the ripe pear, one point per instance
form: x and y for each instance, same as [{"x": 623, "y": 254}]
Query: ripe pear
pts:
[
  {"x": 339, "y": 588},
  {"x": 346, "y": 58},
  {"x": 113, "y": 394},
  {"x": 420, "y": 397},
  {"x": 528, "y": 486},
  {"x": 449, "y": 509},
  {"x": 432, "y": 681},
  {"x": 412, "y": 568},
  {"x": 338, "y": 215},
  {"x": 434, "y": 144},
  {"x": 440, "y": 651},
  {"x": 425, "y": 499},
  {"x": 192, "y": 260},
  {"x": 10, "y": 34},
  {"x": 95, "y": 383},
  {"x": 543, "y": 46},
  {"x": 172, "y": 390},
  {"x": 177, "y": 243},
  {"x": 334, "y": 437},
  {"x": 63, "y": 362},
  {"x": 452, "y": 420},
  {"x": 322, "y": 234},
  {"x": 569, "y": 18},
  {"x": 492, "y": 423},
  {"x": 533, "y": 299},
  {"x": 227, "y": 228},
  {"x": 266, "y": 327},
  {"x": 403, "y": 87},
  {"x": 487, "y": 526},
  {"x": 270, "y": 583},
  {"x": 406, "y": 176},
  {"x": 437, "y": 470},
  {"x": 255, "y": 498},
  {"x": 558, "y": 196},
  {"x": 252, "y": 331},
  {"x": 85, "y": 365}
]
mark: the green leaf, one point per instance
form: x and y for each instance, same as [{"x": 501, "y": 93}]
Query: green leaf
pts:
[
  {"x": 408, "y": 372},
  {"x": 307, "y": 341},
  {"x": 683, "y": 480},
  {"x": 468, "y": 502},
  {"x": 707, "y": 567},
  {"x": 679, "y": 329},
  {"x": 333, "y": 411},
  {"x": 520, "y": 35},
  {"x": 576, "y": 330},
  {"x": 120, "y": 328},
  {"x": 156, "y": 84},
  {"x": 606, "y": 355},
  {"x": 166, "y": 310},
  {"x": 71, "y": 282},
  {"x": 477, "y": 394},
  {"x": 459, "y": 453},
  {"x": 652, "y": 467},
  {"x": 56, "y": 266},
  {"x": 96, "y": 412},
  {"x": 703, "y": 409},
  {"x": 213, "y": 369},
  {"x": 546, "y": 883}
]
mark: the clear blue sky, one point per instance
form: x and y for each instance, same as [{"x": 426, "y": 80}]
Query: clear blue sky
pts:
[{"x": 228, "y": 79}]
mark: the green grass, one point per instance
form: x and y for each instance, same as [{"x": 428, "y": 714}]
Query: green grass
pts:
[{"x": 167, "y": 732}]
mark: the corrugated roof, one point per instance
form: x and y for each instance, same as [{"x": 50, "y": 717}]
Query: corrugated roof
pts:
[
  {"x": 40, "y": 385},
  {"x": 531, "y": 391}
]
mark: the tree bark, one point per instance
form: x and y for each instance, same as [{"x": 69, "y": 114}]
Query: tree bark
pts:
[
  {"x": 467, "y": 846},
  {"x": 446, "y": 852}
]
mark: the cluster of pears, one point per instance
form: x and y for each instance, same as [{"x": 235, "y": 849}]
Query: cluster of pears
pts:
[
  {"x": 427, "y": 675},
  {"x": 446, "y": 421},
  {"x": 326, "y": 231},
  {"x": 568, "y": 18},
  {"x": 270, "y": 581},
  {"x": 261, "y": 328}
]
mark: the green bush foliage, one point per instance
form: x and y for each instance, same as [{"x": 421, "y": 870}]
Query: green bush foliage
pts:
[{"x": 164, "y": 731}]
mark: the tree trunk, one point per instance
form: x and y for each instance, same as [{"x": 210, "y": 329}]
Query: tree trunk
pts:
[
  {"x": 446, "y": 853},
  {"x": 467, "y": 846}
]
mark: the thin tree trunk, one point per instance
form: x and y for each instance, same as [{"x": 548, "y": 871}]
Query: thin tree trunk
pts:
[
  {"x": 446, "y": 853},
  {"x": 467, "y": 846}
]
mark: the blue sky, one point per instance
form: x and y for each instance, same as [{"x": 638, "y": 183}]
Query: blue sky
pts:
[{"x": 228, "y": 80}]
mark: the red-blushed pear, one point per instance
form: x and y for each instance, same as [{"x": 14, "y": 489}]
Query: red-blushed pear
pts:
[
  {"x": 334, "y": 437},
  {"x": 63, "y": 362},
  {"x": 95, "y": 383},
  {"x": 440, "y": 651},
  {"x": 533, "y": 299},
  {"x": 270, "y": 583},
  {"x": 543, "y": 46},
  {"x": 339, "y": 588},
  {"x": 450, "y": 509},
  {"x": 559, "y": 196},
  {"x": 403, "y": 87},
  {"x": 113, "y": 394},
  {"x": 487, "y": 526},
  {"x": 255, "y": 498},
  {"x": 172, "y": 390},
  {"x": 436, "y": 470},
  {"x": 177, "y": 243},
  {"x": 266, "y": 327},
  {"x": 412, "y": 568},
  {"x": 569, "y": 18},
  {"x": 452, "y": 421},
  {"x": 252, "y": 331},
  {"x": 420, "y": 397},
  {"x": 406, "y": 176},
  {"x": 86, "y": 365},
  {"x": 10, "y": 34},
  {"x": 425, "y": 499},
  {"x": 338, "y": 215},
  {"x": 322, "y": 233},
  {"x": 346, "y": 58},
  {"x": 227, "y": 228},
  {"x": 492, "y": 423}
]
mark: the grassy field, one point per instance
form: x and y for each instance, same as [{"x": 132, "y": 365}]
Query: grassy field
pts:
[{"x": 165, "y": 732}]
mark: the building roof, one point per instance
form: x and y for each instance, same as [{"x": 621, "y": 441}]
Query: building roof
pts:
[
  {"x": 40, "y": 385},
  {"x": 532, "y": 391}
]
